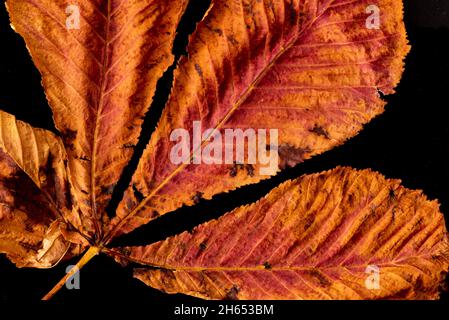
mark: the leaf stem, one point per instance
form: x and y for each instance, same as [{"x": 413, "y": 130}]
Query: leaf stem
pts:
[{"x": 90, "y": 253}]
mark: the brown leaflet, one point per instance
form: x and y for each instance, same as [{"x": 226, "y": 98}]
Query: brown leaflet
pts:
[
  {"x": 35, "y": 199},
  {"x": 310, "y": 69},
  {"x": 317, "y": 237},
  {"x": 99, "y": 79}
]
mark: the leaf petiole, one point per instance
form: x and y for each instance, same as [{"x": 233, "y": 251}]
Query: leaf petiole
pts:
[{"x": 90, "y": 253}]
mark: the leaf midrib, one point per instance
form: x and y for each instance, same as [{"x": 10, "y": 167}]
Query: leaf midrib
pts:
[
  {"x": 93, "y": 166},
  {"x": 391, "y": 263}
]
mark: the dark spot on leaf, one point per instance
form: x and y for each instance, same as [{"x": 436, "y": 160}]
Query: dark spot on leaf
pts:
[
  {"x": 267, "y": 265},
  {"x": 35, "y": 247},
  {"x": 351, "y": 198},
  {"x": 232, "y": 40},
  {"x": 197, "y": 197},
  {"x": 250, "y": 170},
  {"x": 51, "y": 181},
  {"x": 232, "y": 293},
  {"x": 320, "y": 131},
  {"x": 108, "y": 189},
  {"x": 391, "y": 195},
  {"x": 83, "y": 158},
  {"x": 324, "y": 282},
  {"x": 345, "y": 184},
  {"x": 293, "y": 14},
  {"x": 218, "y": 31},
  {"x": 149, "y": 66},
  {"x": 199, "y": 70},
  {"x": 87, "y": 202},
  {"x": 128, "y": 146},
  {"x": 124, "y": 251},
  {"x": 418, "y": 223},
  {"x": 139, "y": 196},
  {"x": 46, "y": 169},
  {"x": 291, "y": 156},
  {"x": 129, "y": 204},
  {"x": 68, "y": 195},
  {"x": 235, "y": 169},
  {"x": 155, "y": 214},
  {"x": 69, "y": 136},
  {"x": 233, "y": 172},
  {"x": 309, "y": 220},
  {"x": 168, "y": 277},
  {"x": 302, "y": 17},
  {"x": 203, "y": 246},
  {"x": 28, "y": 227}
]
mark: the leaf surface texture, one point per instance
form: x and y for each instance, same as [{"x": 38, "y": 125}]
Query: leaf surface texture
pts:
[
  {"x": 35, "y": 196},
  {"x": 99, "y": 79},
  {"x": 310, "y": 238},
  {"x": 310, "y": 69}
]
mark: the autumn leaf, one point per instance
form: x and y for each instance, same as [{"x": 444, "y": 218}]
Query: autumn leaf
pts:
[
  {"x": 317, "y": 237},
  {"x": 35, "y": 197},
  {"x": 312, "y": 70},
  {"x": 99, "y": 78}
]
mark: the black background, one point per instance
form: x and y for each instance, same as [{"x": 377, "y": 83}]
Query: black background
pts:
[{"x": 410, "y": 141}]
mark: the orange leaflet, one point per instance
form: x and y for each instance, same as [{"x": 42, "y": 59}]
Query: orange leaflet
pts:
[
  {"x": 340, "y": 234},
  {"x": 100, "y": 61}
]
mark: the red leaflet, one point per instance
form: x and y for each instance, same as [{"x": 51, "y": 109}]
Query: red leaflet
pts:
[
  {"x": 341, "y": 234},
  {"x": 309, "y": 69}
]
